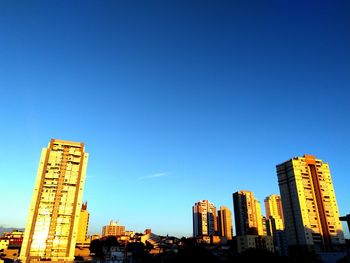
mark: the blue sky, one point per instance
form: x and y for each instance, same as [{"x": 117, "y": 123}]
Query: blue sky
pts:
[{"x": 176, "y": 101}]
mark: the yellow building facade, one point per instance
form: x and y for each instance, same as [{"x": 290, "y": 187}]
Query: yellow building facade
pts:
[
  {"x": 204, "y": 219},
  {"x": 52, "y": 224},
  {"x": 225, "y": 222},
  {"x": 113, "y": 229},
  {"x": 274, "y": 213},
  {"x": 247, "y": 212},
  {"x": 309, "y": 204},
  {"x": 273, "y": 206},
  {"x": 83, "y": 226}
]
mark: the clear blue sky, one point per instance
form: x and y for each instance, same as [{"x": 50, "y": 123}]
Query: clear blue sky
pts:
[{"x": 176, "y": 101}]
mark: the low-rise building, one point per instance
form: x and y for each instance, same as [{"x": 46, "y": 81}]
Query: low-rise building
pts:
[
  {"x": 116, "y": 254},
  {"x": 11, "y": 240},
  {"x": 4, "y": 243},
  {"x": 113, "y": 229},
  {"x": 254, "y": 241},
  {"x": 95, "y": 236}
]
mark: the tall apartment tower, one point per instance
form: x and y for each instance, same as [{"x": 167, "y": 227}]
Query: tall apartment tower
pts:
[
  {"x": 83, "y": 225},
  {"x": 274, "y": 213},
  {"x": 52, "y": 224},
  {"x": 225, "y": 222},
  {"x": 247, "y": 210},
  {"x": 309, "y": 204},
  {"x": 204, "y": 218}
]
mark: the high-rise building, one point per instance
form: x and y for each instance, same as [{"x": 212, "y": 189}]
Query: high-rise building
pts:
[
  {"x": 83, "y": 225},
  {"x": 113, "y": 229},
  {"x": 204, "y": 219},
  {"x": 264, "y": 225},
  {"x": 247, "y": 211},
  {"x": 346, "y": 219},
  {"x": 245, "y": 242},
  {"x": 52, "y": 224},
  {"x": 309, "y": 204},
  {"x": 225, "y": 222},
  {"x": 274, "y": 214},
  {"x": 273, "y": 206}
]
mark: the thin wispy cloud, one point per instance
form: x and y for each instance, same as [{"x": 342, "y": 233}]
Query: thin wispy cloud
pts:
[{"x": 152, "y": 176}]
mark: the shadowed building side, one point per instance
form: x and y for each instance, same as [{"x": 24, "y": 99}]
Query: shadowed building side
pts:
[
  {"x": 225, "y": 222},
  {"x": 248, "y": 218},
  {"x": 204, "y": 219},
  {"x": 346, "y": 219}
]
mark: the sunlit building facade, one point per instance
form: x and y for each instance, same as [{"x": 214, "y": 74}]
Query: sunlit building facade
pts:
[
  {"x": 113, "y": 229},
  {"x": 52, "y": 224},
  {"x": 274, "y": 214},
  {"x": 273, "y": 206},
  {"x": 309, "y": 204},
  {"x": 83, "y": 226},
  {"x": 204, "y": 219},
  {"x": 225, "y": 222},
  {"x": 247, "y": 211}
]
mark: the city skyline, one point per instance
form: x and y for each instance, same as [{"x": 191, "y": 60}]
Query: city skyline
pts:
[
  {"x": 245, "y": 192},
  {"x": 176, "y": 102}
]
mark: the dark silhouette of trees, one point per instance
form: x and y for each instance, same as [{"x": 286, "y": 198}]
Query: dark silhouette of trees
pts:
[
  {"x": 188, "y": 251},
  {"x": 139, "y": 253},
  {"x": 110, "y": 241},
  {"x": 344, "y": 260},
  {"x": 78, "y": 259},
  {"x": 196, "y": 254},
  {"x": 252, "y": 231},
  {"x": 149, "y": 246},
  {"x": 258, "y": 255},
  {"x": 96, "y": 246}
]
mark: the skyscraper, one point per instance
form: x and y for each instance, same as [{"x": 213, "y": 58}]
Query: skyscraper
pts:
[
  {"x": 52, "y": 224},
  {"x": 83, "y": 224},
  {"x": 225, "y": 222},
  {"x": 309, "y": 204},
  {"x": 274, "y": 213},
  {"x": 273, "y": 206},
  {"x": 204, "y": 218},
  {"x": 247, "y": 211}
]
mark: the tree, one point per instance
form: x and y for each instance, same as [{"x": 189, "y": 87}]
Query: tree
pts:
[
  {"x": 96, "y": 247},
  {"x": 110, "y": 241},
  {"x": 149, "y": 246},
  {"x": 138, "y": 251},
  {"x": 196, "y": 253}
]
